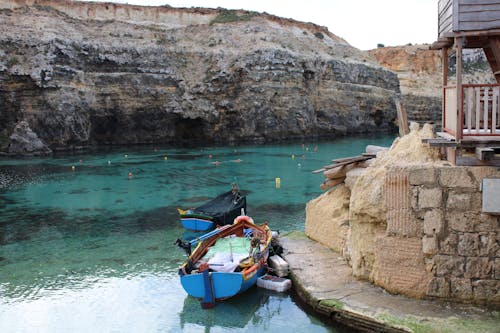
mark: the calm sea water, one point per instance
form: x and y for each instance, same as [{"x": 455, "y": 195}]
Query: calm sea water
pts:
[{"x": 91, "y": 249}]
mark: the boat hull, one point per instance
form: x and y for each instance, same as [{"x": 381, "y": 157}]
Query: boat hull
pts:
[
  {"x": 224, "y": 285},
  {"x": 197, "y": 224}
]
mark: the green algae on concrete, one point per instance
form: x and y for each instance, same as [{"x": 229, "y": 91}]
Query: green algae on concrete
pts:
[
  {"x": 295, "y": 235},
  {"x": 324, "y": 281},
  {"x": 444, "y": 325},
  {"x": 331, "y": 303}
]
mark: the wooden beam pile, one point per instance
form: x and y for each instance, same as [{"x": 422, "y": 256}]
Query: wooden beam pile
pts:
[{"x": 336, "y": 173}]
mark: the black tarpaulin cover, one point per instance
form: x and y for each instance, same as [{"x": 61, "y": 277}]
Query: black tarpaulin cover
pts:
[{"x": 224, "y": 208}]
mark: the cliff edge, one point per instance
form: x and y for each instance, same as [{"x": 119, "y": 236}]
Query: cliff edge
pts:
[{"x": 82, "y": 74}]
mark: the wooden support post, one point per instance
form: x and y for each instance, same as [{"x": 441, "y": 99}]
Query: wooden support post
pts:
[
  {"x": 444, "y": 62},
  {"x": 460, "y": 114},
  {"x": 494, "y": 59},
  {"x": 402, "y": 118},
  {"x": 451, "y": 155}
]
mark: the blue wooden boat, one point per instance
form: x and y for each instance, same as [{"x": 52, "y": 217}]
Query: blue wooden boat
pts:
[
  {"x": 220, "y": 211},
  {"x": 196, "y": 222},
  {"x": 227, "y": 261}
]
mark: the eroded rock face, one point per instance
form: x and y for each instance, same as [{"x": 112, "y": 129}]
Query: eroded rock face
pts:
[
  {"x": 420, "y": 75},
  {"x": 25, "y": 142},
  {"x": 327, "y": 218},
  {"x": 87, "y": 74}
]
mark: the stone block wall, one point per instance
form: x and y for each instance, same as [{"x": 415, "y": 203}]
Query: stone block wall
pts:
[
  {"x": 415, "y": 229},
  {"x": 460, "y": 244}
]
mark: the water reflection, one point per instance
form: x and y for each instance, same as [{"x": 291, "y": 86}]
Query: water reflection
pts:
[{"x": 233, "y": 313}]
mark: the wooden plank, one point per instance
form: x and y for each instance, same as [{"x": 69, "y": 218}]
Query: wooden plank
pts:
[
  {"x": 344, "y": 159},
  {"x": 479, "y": 16},
  {"x": 402, "y": 118},
  {"x": 466, "y": 26},
  {"x": 445, "y": 16},
  {"x": 441, "y": 143},
  {"x": 495, "y": 111},
  {"x": 470, "y": 103},
  {"x": 339, "y": 172},
  {"x": 444, "y": 60},
  {"x": 372, "y": 149},
  {"x": 354, "y": 160},
  {"x": 460, "y": 111},
  {"x": 477, "y": 107},
  {"x": 455, "y": 26},
  {"x": 443, "y": 4},
  {"x": 485, "y": 108},
  {"x": 484, "y": 9},
  {"x": 478, "y": 2},
  {"x": 451, "y": 155},
  {"x": 331, "y": 183},
  {"x": 446, "y": 136},
  {"x": 472, "y": 161}
]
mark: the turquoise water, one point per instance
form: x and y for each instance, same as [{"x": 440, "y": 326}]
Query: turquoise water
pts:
[{"x": 90, "y": 248}]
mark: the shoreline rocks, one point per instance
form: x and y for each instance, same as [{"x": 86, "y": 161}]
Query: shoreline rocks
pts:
[{"x": 25, "y": 142}]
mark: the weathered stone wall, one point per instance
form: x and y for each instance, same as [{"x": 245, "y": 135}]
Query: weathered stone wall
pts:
[
  {"x": 415, "y": 225},
  {"x": 460, "y": 243}
]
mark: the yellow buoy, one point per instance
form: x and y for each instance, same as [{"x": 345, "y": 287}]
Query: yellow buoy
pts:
[
  {"x": 278, "y": 182},
  {"x": 293, "y": 156},
  {"x": 73, "y": 168},
  {"x": 165, "y": 158}
]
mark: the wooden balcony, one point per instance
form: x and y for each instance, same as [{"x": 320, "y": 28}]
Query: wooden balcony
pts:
[{"x": 477, "y": 118}]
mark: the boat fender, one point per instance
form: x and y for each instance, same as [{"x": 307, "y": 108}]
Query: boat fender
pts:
[
  {"x": 246, "y": 262},
  {"x": 240, "y": 218},
  {"x": 203, "y": 267},
  {"x": 248, "y": 271}
]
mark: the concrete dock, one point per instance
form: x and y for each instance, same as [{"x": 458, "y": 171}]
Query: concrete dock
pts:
[{"x": 324, "y": 281}]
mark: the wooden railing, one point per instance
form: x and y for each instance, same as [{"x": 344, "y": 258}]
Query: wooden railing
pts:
[{"x": 479, "y": 112}]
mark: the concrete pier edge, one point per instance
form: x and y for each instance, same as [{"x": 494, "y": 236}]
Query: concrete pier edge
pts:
[{"x": 324, "y": 282}]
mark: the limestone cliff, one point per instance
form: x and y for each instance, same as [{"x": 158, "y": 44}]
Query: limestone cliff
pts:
[
  {"x": 420, "y": 76},
  {"x": 85, "y": 74}
]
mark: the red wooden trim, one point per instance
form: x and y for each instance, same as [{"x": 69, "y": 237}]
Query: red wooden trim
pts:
[
  {"x": 479, "y": 134},
  {"x": 476, "y": 85}
]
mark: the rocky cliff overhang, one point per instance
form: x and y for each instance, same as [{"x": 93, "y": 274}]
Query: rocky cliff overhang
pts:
[{"x": 82, "y": 73}]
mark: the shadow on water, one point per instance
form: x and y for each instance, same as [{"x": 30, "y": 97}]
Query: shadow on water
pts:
[
  {"x": 235, "y": 312},
  {"x": 33, "y": 224}
]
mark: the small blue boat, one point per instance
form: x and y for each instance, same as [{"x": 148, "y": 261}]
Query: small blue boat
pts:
[
  {"x": 227, "y": 261},
  {"x": 196, "y": 222},
  {"x": 219, "y": 211}
]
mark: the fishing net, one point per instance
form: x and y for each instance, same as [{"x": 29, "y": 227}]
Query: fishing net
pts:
[{"x": 224, "y": 208}]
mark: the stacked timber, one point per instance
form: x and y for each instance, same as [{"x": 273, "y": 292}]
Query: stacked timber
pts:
[{"x": 336, "y": 173}]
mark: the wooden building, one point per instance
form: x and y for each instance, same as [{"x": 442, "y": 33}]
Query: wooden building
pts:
[{"x": 471, "y": 112}]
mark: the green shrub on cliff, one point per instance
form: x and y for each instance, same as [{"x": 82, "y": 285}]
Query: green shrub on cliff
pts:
[
  {"x": 226, "y": 16},
  {"x": 11, "y": 62},
  {"x": 319, "y": 35}
]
